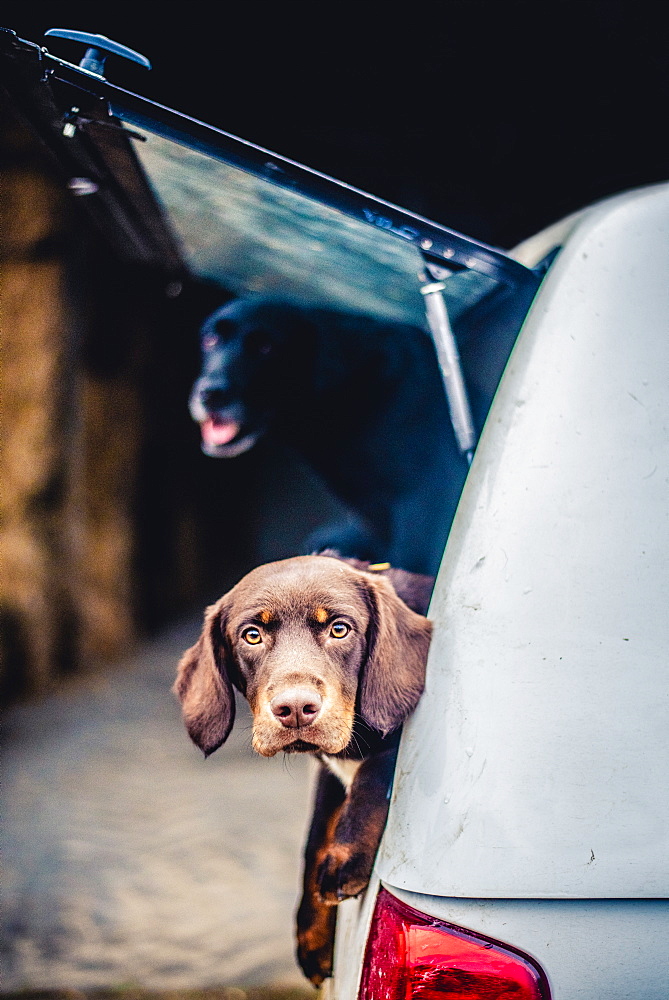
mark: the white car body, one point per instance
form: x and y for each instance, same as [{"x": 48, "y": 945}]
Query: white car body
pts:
[{"x": 531, "y": 795}]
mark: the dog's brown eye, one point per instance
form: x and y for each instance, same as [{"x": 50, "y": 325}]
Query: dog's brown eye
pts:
[
  {"x": 339, "y": 629},
  {"x": 252, "y": 636}
]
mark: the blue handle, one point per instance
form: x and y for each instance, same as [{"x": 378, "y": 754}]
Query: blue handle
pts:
[{"x": 98, "y": 47}]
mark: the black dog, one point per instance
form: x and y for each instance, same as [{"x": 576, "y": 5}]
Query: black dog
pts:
[{"x": 360, "y": 399}]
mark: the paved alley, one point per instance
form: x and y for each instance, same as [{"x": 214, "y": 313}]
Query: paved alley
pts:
[{"x": 129, "y": 859}]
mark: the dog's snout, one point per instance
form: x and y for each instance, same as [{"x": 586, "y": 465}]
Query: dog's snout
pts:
[{"x": 296, "y": 707}]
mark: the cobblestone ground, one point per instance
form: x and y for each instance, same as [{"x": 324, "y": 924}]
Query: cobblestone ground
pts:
[{"x": 130, "y": 861}]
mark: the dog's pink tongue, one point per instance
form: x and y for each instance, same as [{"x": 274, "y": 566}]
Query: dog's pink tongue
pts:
[{"x": 215, "y": 432}]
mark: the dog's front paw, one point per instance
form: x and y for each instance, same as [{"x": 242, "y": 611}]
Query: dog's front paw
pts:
[
  {"x": 343, "y": 872},
  {"x": 316, "y": 963},
  {"x": 315, "y": 939}
]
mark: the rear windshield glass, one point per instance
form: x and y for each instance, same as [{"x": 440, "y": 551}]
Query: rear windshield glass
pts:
[{"x": 252, "y": 236}]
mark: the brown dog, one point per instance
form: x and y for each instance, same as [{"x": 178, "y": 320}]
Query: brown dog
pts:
[{"x": 331, "y": 661}]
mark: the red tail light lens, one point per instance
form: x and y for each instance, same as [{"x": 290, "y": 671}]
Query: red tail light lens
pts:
[{"x": 410, "y": 955}]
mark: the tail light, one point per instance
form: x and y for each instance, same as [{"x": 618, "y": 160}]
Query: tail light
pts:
[{"x": 411, "y": 956}]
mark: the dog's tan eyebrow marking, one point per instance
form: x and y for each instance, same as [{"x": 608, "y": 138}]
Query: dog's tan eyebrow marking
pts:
[
  {"x": 321, "y": 615},
  {"x": 265, "y": 617}
]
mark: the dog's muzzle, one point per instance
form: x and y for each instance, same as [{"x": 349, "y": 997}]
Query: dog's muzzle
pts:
[{"x": 222, "y": 423}]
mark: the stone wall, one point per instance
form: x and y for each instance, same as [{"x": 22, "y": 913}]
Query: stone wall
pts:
[{"x": 70, "y": 439}]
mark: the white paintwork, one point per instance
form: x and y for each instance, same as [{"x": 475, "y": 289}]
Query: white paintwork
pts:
[
  {"x": 533, "y": 250},
  {"x": 536, "y": 247},
  {"x": 536, "y": 764},
  {"x": 353, "y": 921}
]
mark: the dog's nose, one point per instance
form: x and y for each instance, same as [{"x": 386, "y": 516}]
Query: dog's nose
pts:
[
  {"x": 215, "y": 399},
  {"x": 296, "y": 707}
]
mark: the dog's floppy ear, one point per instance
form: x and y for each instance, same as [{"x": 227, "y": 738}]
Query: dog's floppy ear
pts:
[
  {"x": 394, "y": 675},
  {"x": 203, "y": 685}
]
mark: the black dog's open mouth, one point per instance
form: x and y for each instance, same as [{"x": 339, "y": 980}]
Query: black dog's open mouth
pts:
[
  {"x": 217, "y": 430},
  {"x": 225, "y": 437},
  {"x": 300, "y": 746},
  {"x": 227, "y": 430}
]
